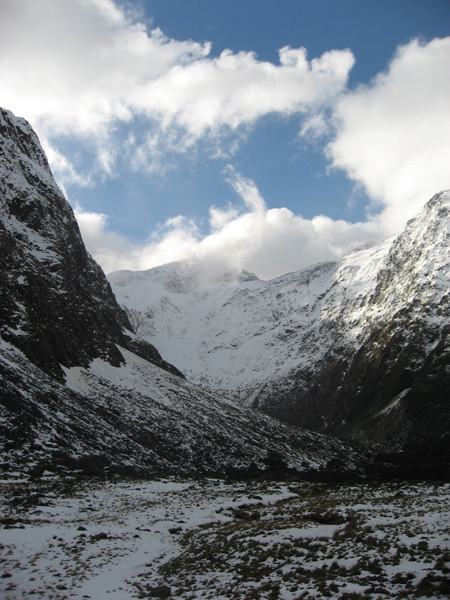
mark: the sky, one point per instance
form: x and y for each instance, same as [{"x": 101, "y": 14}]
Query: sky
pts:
[{"x": 265, "y": 135}]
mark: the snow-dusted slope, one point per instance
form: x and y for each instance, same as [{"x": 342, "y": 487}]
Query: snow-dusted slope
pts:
[
  {"x": 55, "y": 302},
  {"x": 138, "y": 419},
  {"x": 324, "y": 347},
  {"x": 78, "y": 389},
  {"x": 236, "y": 333},
  {"x": 233, "y": 331}
]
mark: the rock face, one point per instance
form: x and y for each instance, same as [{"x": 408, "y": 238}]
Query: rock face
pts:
[
  {"x": 78, "y": 389},
  {"x": 390, "y": 383},
  {"x": 56, "y": 305},
  {"x": 358, "y": 348}
]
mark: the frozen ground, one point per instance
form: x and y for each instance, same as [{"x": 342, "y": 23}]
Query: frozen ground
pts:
[{"x": 208, "y": 539}]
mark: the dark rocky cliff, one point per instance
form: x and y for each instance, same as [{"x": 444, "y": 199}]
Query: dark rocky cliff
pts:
[
  {"x": 391, "y": 386},
  {"x": 55, "y": 302}
]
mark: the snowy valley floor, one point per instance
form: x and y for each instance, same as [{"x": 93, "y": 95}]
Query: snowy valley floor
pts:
[{"x": 208, "y": 539}]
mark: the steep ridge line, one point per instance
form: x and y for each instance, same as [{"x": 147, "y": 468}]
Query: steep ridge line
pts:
[
  {"x": 356, "y": 348},
  {"x": 79, "y": 391}
]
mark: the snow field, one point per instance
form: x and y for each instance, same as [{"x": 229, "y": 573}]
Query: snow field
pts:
[
  {"x": 97, "y": 540},
  {"x": 239, "y": 541}
]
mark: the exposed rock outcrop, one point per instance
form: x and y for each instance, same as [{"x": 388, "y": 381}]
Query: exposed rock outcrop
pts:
[{"x": 55, "y": 302}]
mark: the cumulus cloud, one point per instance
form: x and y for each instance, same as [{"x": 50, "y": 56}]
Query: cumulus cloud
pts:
[
  {"x": 81, "y": 61},
  {"x": 81, "y": 70},
  {"x": 82, "y": 67},
  {"x": 393, "y": 135},
  {"x": 269, "y": 242}
]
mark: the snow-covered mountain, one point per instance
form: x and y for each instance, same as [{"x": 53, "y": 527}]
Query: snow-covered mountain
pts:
[
  {"x": 356, "y": 347},
  {"x": 55, "y": 303},
  {"x": 78, "y": 388}
]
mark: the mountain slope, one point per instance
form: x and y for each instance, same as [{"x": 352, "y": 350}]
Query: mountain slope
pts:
[
  {"x": 137, "y": 419},
  {"x": 358, "y": 347},
  {"x": 55, "y": 303},
  {"x": 78, "y": 389}
]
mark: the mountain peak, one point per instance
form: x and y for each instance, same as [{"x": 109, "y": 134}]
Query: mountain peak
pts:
[
  {"x": 333, "y": 347},
  {"x": 246, "y": 276},
  {"x": 17, "y": 131},
  {"x": 442, "y": 199}
]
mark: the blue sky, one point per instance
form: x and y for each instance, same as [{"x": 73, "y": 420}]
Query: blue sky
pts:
[{"x": 267, "y": 134}]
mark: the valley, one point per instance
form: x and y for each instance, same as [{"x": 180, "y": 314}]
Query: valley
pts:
[{"x": 197, "y": 433}]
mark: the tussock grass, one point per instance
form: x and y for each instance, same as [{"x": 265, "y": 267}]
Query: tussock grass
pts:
[{"x": 340, "y": 541}]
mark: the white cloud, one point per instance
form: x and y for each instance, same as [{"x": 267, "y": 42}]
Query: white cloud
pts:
[
  {"x": 393, "y": 136},
  {"x": 237, "y": 89},
  {"x": 73, "y": 66},
  {"x": 81, "y": 67},
  {"x": 269, "y": 242},
  {"x": 66, "y": 170}
]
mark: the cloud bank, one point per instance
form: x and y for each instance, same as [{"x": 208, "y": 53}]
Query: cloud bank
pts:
[
  {"x": 393, "y": 135},
  {"x": 80, "y": 68},
  {"x": 268, "y": 242},
  {"x": 85, "y": 71}
]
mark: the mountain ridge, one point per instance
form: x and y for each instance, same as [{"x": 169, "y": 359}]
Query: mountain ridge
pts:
[
  {"x": 35, "y": 316},
  {"x": 339, "y": 347},
  {"x": 79, "y": 390}
]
